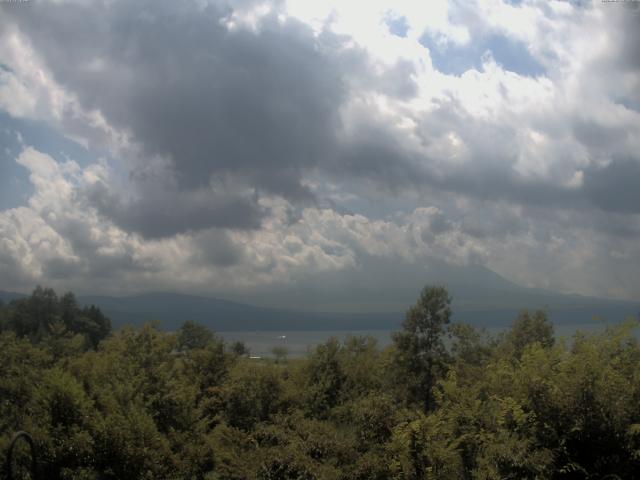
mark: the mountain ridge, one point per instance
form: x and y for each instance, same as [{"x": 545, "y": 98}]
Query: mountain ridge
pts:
[{"x": 370, "y": 298}]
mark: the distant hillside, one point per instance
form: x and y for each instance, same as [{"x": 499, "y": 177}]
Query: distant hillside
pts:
[
  {"x": 171, "y": 310},
  {"x": 368, "y": 298},
  {"x": 480, "y": 296},
  {"x": 6, "y": 297},
  {"x": 384, "y": 285}
]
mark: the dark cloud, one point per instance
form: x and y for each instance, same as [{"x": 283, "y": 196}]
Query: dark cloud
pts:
[
  {"x": 379, "y": 158},
  {"x": 263, "y": 107},
  {"x": 13, "y": 273},
  {"x": 211, "y": 99},
  {"x": 598, "y": 137},
  {"x": 438, "y": 224},
  {"x": 501, "y": 184},
  {"x": 215, "y": 247},
  {"x": 60, "y": 268},
  {"x": 398, "y": 81},
  {"x": 628, "y": 37},
  {"x": 260, "y": 106},
  {"x": 613, "y": 224},
  {"x": 619, "y": 68},
  {"x": 615, "y": 187},
  {"x": 493, "y": 226},
  {"x": 162, "y": 213}
]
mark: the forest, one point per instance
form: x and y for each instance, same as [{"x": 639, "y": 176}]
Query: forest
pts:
[{"x": 443, "y": 401}]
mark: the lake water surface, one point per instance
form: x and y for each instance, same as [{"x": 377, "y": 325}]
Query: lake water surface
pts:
[{"x": 298, "y": 343}]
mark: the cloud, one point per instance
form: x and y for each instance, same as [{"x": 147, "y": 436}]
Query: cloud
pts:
[
  {"x": 188, "y": 87},
  {"x": 615, "y": 187},
  {"x": 254, "y": 93},
  {"x": 60, "y": 239},
  {"x": 217, "y": 248},
  {"x": 164, "y": 213},
  {"x": 237, "y": 143}
]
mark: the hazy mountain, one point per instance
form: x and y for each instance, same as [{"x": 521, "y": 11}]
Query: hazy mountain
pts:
[
  {"x": 6, "y": 297},
  {"x": 371, "y": 298},
  {"x": 171, "y": 310},
  {"x": 480, "y": 295},
  {"x": 381, "y": 284},
  {"x": 374, "y": 296}
]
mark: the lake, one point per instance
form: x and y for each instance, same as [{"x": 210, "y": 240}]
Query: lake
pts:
[{"x": 298, "y": 343}]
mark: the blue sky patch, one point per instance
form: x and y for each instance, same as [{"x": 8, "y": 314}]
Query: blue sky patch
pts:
[
  {"x": 455, "y": 60},
  {"x": 398, "y": 26},
  {"x": 15, "y": 187}
]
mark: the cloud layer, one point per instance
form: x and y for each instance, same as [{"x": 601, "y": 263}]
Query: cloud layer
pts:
[{"x": 235, "y": 144}]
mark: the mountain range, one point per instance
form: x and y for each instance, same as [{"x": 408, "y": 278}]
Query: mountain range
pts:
[{"x": 346, "y": 302}]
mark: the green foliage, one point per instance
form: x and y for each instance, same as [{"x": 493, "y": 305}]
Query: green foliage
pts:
[
  {"x": 420, "y": 354},
  {"x": 280, "y": 352},
  {"x": 43, "y": 315},
  {"x": 325, "y": 378},
  {"x": 530, "y": 328},
  {"x": 425, "y": 448},
  {"x": 193, "y": 335},
  {"x": 251, "y": 394},
  {"x": 371, "y": 418},
  {"x": 146, "y": 404},
  {"x": 240, "y": 349}
]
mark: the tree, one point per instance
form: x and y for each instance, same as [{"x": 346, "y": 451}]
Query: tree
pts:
[
  {"x": 192, "y": 335},
  {"x": 44, "y": 314},
  {"x": 32, "y": 316},
  {"x": 3, "y": 314},
  {"x": 325, "y": 378},
  {"x": 280, "y": 352},
  {"x": 240, "y": 349},
  {"x": 251, "y": 394},
  {"x": 69, "y": 310},
  {"x": 94, "y": 324},
  {"x": 530, "y": 328},
  {"x": 420, "y": 354}
]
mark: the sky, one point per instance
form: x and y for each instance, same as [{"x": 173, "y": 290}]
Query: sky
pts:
[{"x": 219, "y": 147}]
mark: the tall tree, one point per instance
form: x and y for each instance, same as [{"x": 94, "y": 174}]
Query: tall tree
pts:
[
  {"x": 325, "y": 378},
  {"x": 420, "y": 353},
  {"x": 44, "y": 314},
  {"x": 32, "y": 316},
  {"x": 94, "y": 324},
  {"x": 192, "y": 336},
  {"x": 530, "y": 328}
]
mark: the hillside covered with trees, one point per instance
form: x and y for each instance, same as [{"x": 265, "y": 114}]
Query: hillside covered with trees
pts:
[{"x": 147, "y": 404}]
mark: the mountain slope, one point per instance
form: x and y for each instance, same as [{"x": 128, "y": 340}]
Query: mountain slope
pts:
[
  {"x": 171, "y": 310},
  {"x": 6, "y": 297},
  {"x": 372, "y": 296},
  {"x": 480, "y": 295}
]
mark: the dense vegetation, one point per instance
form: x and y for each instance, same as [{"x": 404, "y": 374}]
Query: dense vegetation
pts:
[{"x": 142, "y": 403}]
